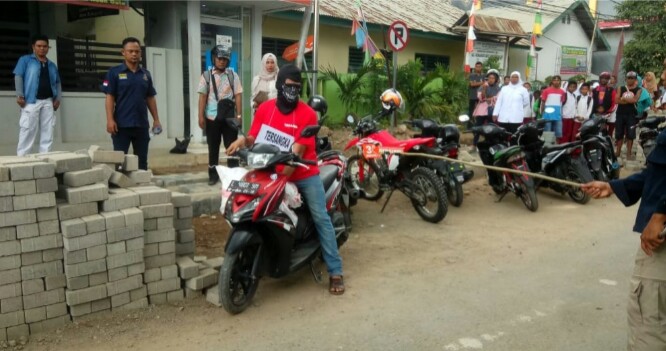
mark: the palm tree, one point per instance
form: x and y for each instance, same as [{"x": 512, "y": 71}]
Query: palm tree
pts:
[{"x": 351, "y": 86}]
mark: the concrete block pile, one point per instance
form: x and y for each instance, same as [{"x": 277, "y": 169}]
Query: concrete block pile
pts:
[{"x": 182, "y": 222}]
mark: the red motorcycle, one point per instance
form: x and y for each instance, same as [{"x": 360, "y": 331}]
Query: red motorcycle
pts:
[
  {"x": 268, "y": 238},
  {"x": 378, "y": 166}
]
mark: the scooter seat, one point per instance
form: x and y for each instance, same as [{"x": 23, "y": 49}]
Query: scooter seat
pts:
[
  {"x": 328, "y": 173},
  {"x": 549, "y": 149}
]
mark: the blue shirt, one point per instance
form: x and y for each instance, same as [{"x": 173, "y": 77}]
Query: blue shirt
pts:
[
  {"x": 130, "y": 90},
  {"x": 29, "y": 68},
  {"x": 649, "y": 186}
]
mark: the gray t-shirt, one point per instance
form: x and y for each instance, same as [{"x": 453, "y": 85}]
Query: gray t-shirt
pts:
[{"x": 474, "y": 77}]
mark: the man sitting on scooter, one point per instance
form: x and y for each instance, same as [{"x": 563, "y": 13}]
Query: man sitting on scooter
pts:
[{"x": 286, "y": 116}]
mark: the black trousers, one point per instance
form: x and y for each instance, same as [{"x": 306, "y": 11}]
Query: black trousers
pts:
[
  {"x": 138, "y": 137},
  {"x": 216, "y": 131}
]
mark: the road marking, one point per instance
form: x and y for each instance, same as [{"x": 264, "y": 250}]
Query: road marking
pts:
[
  {"x": 608, "y": 282},
  {"x": 470, "y": 343}
]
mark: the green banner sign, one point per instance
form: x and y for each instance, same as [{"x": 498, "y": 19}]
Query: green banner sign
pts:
[{"x": 574, "y": 60}]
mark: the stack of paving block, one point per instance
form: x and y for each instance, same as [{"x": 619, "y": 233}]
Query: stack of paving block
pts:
[
  {"x": 124, "y": 169},
  {"x": 207, "y": 277},
  {"x": 31, "y": 271},
  {"x": 159, "y": 253},
  {"x": 182, "y": 222}
]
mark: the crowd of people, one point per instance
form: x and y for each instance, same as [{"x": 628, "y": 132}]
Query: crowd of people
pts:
[{"x": 565, "y": 105}]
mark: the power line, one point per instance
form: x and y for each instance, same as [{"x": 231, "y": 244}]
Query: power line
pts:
[{"x": 548, "y": 9}]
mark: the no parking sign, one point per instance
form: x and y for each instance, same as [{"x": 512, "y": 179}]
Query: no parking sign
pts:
[{"x": 398, "y": 35}]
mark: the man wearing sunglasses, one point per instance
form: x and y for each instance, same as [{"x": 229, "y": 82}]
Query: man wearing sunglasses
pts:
[{"x": 286, "y": 116}]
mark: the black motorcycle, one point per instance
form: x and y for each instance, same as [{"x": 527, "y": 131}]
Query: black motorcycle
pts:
[
  {"x": 647, "y": 138},
  {"x": 453, "y": 174},
  {"x": 598, "y": 149}
]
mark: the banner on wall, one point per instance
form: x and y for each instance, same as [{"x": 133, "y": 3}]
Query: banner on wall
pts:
[
  {"x": 108, "y": 4},
  {"x": 573, "y": 60},
  {"x": 484, "y": 49}
]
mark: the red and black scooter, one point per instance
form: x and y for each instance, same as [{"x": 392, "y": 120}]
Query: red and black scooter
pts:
[{"x": 265, "y": 240}]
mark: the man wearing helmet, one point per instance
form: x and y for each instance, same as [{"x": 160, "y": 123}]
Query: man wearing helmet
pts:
[
  {"x": 219, "y": 102},
  {"x": 287, "y": 116},
  {"x": 604, "y": 100}
]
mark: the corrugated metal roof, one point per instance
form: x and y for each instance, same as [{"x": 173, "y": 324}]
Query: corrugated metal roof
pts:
[
  {"x": 524, "y": 14},
  {"x": 424, "y": 15},
  {"x": 614, "y": 24},
  {"x": 491, "y": 25}
]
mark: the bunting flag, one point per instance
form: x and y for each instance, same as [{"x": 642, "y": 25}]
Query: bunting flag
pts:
[
  {"x": 471, "y": 37},
  {"x": 360, "y": 29},
  {"x": 477, "y": 5},
  {"x": 618, "y": 56},
  {"x": 536, "y": 30},
  {"x": 357, "y": 30}
]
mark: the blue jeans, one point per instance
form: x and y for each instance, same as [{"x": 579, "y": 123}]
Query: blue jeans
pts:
[
  {"x": 138, "y": 137},
  {"x": 554, "y": 126},
  {"x": 312, "y": 190}
]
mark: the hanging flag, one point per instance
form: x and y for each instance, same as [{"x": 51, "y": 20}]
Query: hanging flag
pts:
[
  {"x": 477, "y": 5},
  {"x": 536, "y": 29},
  {"x": 357, "y": 30},
  {"x": 363, "y": 38},
  {"x": 618, "y": 56},
  {"x": 469, "y": 47}
]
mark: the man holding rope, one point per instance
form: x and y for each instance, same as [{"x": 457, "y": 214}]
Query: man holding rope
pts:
[{"x": 647, "y": 299}]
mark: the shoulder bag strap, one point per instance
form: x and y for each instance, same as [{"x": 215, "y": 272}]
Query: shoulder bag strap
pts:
[{"x": 212, "y": 79}]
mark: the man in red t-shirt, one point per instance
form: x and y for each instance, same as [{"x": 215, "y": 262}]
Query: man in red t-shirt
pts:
[{"x": 279, "y": 122}]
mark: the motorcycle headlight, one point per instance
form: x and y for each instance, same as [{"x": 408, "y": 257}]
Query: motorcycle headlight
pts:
[
  {"x": 255, "y": 160},
  {"x": 246, "y": 210}
]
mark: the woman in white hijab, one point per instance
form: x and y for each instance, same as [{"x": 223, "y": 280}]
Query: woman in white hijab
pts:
[
  {"x": 510, "y": 105},
  {"x": 263, "y": 84}
]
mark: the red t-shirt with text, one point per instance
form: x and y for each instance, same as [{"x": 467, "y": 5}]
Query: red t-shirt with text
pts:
[{"x": 291, "y": 124}]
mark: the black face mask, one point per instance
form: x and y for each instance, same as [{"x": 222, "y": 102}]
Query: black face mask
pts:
[{"x": 287, "y": 98}]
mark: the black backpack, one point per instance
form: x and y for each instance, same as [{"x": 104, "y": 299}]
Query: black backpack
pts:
[{"x": 589, "y": 100}]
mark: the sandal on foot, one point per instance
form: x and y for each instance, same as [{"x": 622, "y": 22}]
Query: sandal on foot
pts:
[{"x": 336, "y": 285}]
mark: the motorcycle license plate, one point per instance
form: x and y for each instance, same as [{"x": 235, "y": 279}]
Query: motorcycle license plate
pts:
[
  {"x": 370, "y": 151},
  {"x": 460, "y": 178},
  {"x": 243, "y": 187}
]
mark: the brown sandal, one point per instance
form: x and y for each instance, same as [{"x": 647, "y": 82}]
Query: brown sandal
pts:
[{"x": 336, "y": 285}]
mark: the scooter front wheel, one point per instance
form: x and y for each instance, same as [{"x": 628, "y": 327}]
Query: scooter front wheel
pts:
[
  {"x": 236, "y": 284},
  {"x": 528, "y": 196},
  {"x": 454, "y": 191}
]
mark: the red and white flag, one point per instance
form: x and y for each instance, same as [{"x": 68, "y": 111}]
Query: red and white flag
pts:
[{"x": 471, "y": 37}]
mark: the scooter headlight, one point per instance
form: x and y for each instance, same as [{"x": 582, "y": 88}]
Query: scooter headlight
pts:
[
  {"x": 245, "y": 210},
  {"x": 256, "y": 161}
]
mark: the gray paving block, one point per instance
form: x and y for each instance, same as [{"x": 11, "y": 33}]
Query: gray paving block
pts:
[
  {"x": 11, "y": 319},
  {"x": 32, "y": 286},
  {"x": 72, "y": 228},
  {"x": 158, "y": 236},
  {"x": 140, "y": 176},
  {"x": 25, "y": 231},
  {"x": 125, "y": 233},
  {"x": 11, "y": 304},
  {"x": 152, "y": 195},
  {"x": 192, "y": 294},
  {"x": 152, "y": 275},
  {"x": 139, "y": 293},
  {"x": 125, "y": 285},
  {"x": 31, "y": 258},
  {"x": 83, "y": 194},
  {"x": 106, "y": 169},
  {"x": 141, "y": 303},
  {"x": 133, "y": 216},
  {"x": 116, "y": 248},
  {"x": 21, "y": 171},
  {"x": 32, "y": 201},
  {"x": 46, "y": 185},
  {"x": 96, "y": 252},
  {"x": 52, "y": 255},
  {"x": 35, "y": 314},
  {"x": 77, "y": 283},
  {"x": 8, "y": 219},
  {"x": 164, "y": 223},
  {"x": 4, "y": 174},
  {"x": 43, "y": 170},
  {"x": 74, "y": 257},
  {"x": 44, "y": 242},
  {"x": 104, "y": 156},
  {"x": 158, "y": 299},
  {"x": 135, "y": 244},
  {"x": 100, "y": 305},
  {"x": 120, "y": 299},
  {"x": 185, "y": 212},
  {"x": 120, "y": 180},
  {"x": 182, "y": 224},
  {"x": 49, "y": 227},
  {"x": 77, "y": 297},
  {"x": 68, "y": 162},
  {"x": 7, "y": 234},
  {"x": 206, "y": 278},
  {"x": 85, "y": 241},
  {"x": 95, "y": 223},
  {"x": 55, "y": 282},
  {"x": 98, "y": 278},
  {"x": 80, "y": 310},
  {"x": 155, "y": 211},
  {"x": 167, "y": 247},
  {"x": 18, "y": 331},
  {"x": 68, "y": 211},
  {"x": 213, "y": 295},
  {"x": 187, "y": 268},
  {"x": 10, "y": 262},
  {"x": 169, "y": 271},
  {"x": 10, "y": 248},
  {"x": 41, "y": 270},
  {"x": 175, "y": 296},
  {"x": 47, "y": 214},
  {"x": 44, "y": 298},
  {"x": 163, "y": 286},
  {"x": 49, "y": 324},
  {"x": 137, "y": 268},
  {"x": 85, "y": 268},
  {"x": 57, "y": 310},
  {"x": 6, "y": 188},
  {"x": 149, "y": 224},
  {"x": 10, "y": 290},
  {"x": 25, "y": 187},
  {"x": 117, "y": 274},
  {"x": 84, "y": 177},
  {"x": 120, "y": 199},
  {"x": 6, "y": 204},
  {"x": 130, "y": 163},
  {"x": 180, "y": 200},
  {"x": 114, "y": 220},
  {"x": 185, "y": 236},
  {"x": 125, "y": 259},
  {"x": 151, "y": 250}
]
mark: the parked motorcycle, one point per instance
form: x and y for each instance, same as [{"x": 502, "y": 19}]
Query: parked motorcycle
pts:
[
  {"x": 495, "y": 150},
  {"x": 453, "y": 174},
  {"x": 377, "y": 165},
  {"x": 267, "y": 237},
  {"x": 562, "y": 161},
  {"x": 649, "y": 132},
  {"x": 598, "y": 149}
]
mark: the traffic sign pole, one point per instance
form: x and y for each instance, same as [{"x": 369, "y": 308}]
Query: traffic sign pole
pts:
[
  {"x": 398, "y": 36},
  {"x": 395, "y": 83}
]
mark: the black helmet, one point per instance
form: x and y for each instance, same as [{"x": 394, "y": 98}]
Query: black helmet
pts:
[
  {"x": 318, "y": 103},
  {"x": 221, "y": 51}
]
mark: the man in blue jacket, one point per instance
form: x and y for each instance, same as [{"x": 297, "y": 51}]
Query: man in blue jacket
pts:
[
  {"x": 647, "y": 299},
  {"x": 38, "y": 93}
]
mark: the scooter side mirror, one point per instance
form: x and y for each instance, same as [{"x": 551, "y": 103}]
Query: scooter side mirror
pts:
[
  {"x": 463, "y": 118},
  {"x": 350, "y": 119},
  {"x": 310, "y": 131},
  {"x": 322, "y": 119}
]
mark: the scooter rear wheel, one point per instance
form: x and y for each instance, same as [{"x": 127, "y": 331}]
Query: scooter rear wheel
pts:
[
  {"x": 454, "y": 191},
  {"x": 236, "y": 284}
]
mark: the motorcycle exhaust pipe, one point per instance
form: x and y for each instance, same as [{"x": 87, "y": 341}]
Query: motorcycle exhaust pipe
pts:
[{"x": 355, "y": 193}]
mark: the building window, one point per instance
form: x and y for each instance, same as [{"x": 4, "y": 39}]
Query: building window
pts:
[
  {"x": 276, "y": 47},
  {"x": 430, "y": 61},
  {"x": 356, "y": 57},
  {"x": 83, "y": 64}
]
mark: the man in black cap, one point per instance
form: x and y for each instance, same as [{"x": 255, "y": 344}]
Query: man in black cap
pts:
[
  {"x": 286, "y": 116},
  {"x": 219, "y": 103},
  {"x": 647, "y": 301}
]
